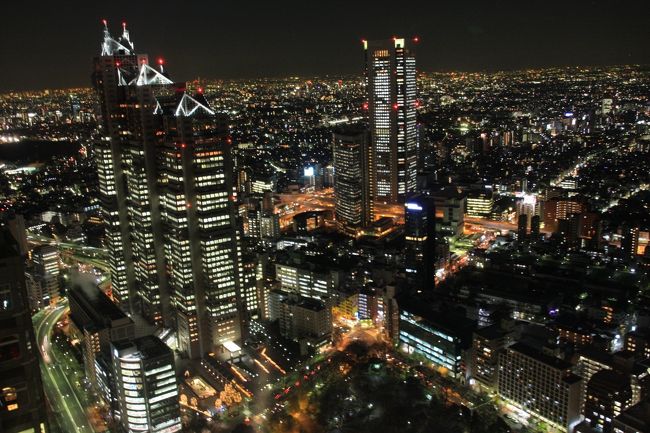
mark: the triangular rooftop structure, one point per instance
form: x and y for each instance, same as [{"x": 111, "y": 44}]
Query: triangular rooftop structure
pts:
[
  {"x": 188, "y": 106},
  {"x": 158, "y": 109},
  {"x": 148, "y": 76},
  {"x": 111, "y": 46},
  {"x": 120, "y": 78}
]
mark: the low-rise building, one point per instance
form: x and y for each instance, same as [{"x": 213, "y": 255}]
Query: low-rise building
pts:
[
  {"x": 487, "y": 344},
  {"x": 635, "y": 419},
  {"x": 440, "y": 338},
  {"x": 479, "y": 204},
  {"x": 146, "y": 385},
  {"x": 608, "y": 393},
  {"x": 97, "y": 322},
  {"x": 540, "y": 385}
]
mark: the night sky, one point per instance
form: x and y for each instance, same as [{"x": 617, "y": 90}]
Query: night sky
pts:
[{"x": 50, "y": 44}]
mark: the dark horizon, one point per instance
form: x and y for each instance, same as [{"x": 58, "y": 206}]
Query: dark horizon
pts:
[{"x": 270, "y": 41}]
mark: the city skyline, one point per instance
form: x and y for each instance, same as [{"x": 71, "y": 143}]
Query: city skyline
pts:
[
  {"x": 394, "y": 251},
  {"x": 279, "y": 40}
]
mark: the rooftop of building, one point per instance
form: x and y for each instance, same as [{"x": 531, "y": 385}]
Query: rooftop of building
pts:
[
  {"x": 637, "y": 417},
  {"x": 96, "y": 303},
  {"x": 610, "y": 380},
  {"x": 440, "y": 317},
  {"x": 149, "y": 347},
  {"x": 642, "y": 333},
  {"x": 308, "y": 303},
  {"x": 491, "y": 332},
  {"x": 596, "y": 354},
  {"x": 8, "y": 245},
  {"x": 530, "y": 352},
  {"x": 447, "y": 192},
  {"x": 351, "y": 130},
  {"x": 319, "y": 263}
]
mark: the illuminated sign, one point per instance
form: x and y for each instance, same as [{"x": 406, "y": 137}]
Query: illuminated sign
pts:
[
  {"x": 309, "y": 171},
  {"x": 413, "y": 206},
  {"x": 530, "y": 199}
]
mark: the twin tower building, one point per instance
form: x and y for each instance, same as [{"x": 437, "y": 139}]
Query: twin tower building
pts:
[
  {"x": 165, "y": 185},
  {"x": 378, "y": 164},
  {"x": 165, "y": 189}
]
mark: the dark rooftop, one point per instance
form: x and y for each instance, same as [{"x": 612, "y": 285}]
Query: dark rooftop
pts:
[
  {"x": 610, "y": 380},
  {"x": 96, "y": 304},
  {"x": 491, "y": 332},
  {"x": 637, "y": 417},
  {"x": 530, "y": 352},
  {"x": 8, "y": 245}
]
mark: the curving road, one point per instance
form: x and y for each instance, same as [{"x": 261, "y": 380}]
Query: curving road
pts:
[{"x": 56, "y": 371}]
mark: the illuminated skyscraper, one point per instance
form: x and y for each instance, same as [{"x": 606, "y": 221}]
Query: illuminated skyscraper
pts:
[
  {"x": 391, "y": 86},
  {"x": 165, "y": 181},
  {"x": 201, "y": 245},
  {"x": 420, "y": 241},
  {"x": 115, "y": 69},
  {"x": 352, "y": 180}
]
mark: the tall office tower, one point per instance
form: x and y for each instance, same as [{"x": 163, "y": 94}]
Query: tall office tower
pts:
[
  {"x": 201, "y": 243},
  {"x": 166, "y": 183},
  {"x": 420, "y": 241},
  {"x": 534, "y": 226},
  {"x": 114, "y": 71},
  {"x": 391, "y": 85},
  {"x": 46, "y": 259},
  {"x": 450, "y": 208},
  {"x": 480, "y": 203},
  {"x": 42, "y": 277},
  {"x": 353, "y": 182},
  {"x": 270, "y": 226},
  {"x": 22, "y": 404},
  {"x": 147, "y": 389},
  {"x": 522, "y": 227},
  {"x": 16, "y": 225},
  {"x": 267, "y": 203}
]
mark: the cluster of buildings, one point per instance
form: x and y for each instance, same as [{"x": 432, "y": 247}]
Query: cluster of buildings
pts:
[{"x": 473, "y": 241}]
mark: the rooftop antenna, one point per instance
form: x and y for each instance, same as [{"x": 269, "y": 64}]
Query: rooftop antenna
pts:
[
  {"x": 125, "y": 32},
  {"x": 125, "y": 36},
  {"x": 106, "y": 32},
  {"x": 106, "y": 44}
]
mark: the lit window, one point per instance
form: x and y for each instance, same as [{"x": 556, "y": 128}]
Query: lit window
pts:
[{"x": 8, "y": 398}]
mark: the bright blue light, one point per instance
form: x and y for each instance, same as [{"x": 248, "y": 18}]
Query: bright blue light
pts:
[{"x": 413, "y": 206}]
